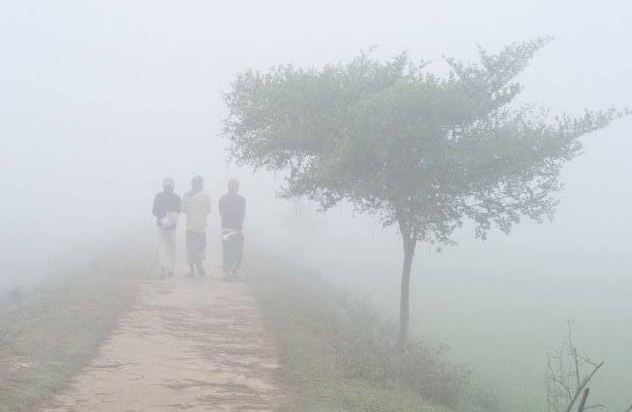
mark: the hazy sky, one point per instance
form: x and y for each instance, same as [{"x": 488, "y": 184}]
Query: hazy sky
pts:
[{"x": 100, "y": 99}]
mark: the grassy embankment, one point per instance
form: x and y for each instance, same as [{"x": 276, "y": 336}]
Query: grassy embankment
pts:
[
  {"x": 58, "y": 328},
  {"x": 338, "y": 355}
]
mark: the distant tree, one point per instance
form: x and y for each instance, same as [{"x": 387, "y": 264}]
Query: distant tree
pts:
[{"x": 421, "y": 151}]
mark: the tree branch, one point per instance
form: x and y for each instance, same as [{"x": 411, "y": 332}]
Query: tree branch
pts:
[{"x": 583, "y": 385}]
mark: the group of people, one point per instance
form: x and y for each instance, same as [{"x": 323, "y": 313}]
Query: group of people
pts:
[{"x": 196, "y": 206}]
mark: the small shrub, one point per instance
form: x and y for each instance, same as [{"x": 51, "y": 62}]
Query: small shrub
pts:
[{"x": 356, "y": 341}]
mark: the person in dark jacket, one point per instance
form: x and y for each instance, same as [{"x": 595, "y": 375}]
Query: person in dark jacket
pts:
[
  {"x": 232, "y": 210},
  {"x": 167, "y": 207}
]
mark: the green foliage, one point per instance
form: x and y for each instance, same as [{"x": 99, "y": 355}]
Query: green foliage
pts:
[
  {"x": 57, "y": 330},
  {"x": 339, "y": 355},
  {"x": 420, "y": 150}
]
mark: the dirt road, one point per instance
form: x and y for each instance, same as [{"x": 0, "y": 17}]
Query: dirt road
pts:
[{"x": 187, "y": 344}]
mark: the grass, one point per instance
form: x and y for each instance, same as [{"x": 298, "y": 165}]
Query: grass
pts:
[
  {"x": 48, "y": 338},
  {"x": 338, "y": 355}
]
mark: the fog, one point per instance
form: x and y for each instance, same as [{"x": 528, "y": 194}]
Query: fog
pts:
[{"x": 99, "y": 100}]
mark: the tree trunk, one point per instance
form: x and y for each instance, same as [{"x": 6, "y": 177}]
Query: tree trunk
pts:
[
  {"x": 404, "y": 309},
  {"x": 582, "y": 404}
]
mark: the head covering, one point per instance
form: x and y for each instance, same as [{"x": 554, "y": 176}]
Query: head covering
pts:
[
  {"x": 197, "y": 183},
  {"x": 233, "y": 185},
  {"x": 168, "y": 183}
]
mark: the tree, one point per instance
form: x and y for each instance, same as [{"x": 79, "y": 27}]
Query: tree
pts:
[
  {"x": 568, "y": 374},
  {"x": 568, "y": 377},
  {"x": 419, "y": 150}
]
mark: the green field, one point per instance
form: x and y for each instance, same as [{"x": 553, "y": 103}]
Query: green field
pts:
[
  {"x": 339, "y": 355},
  {"x": 60, "y": 325}
]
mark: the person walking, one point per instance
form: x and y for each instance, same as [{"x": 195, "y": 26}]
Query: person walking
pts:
[
  {"x": 167, "y": 207},
  {"x": 232, "y": 210},
  {"x": 196, "y": 206}
]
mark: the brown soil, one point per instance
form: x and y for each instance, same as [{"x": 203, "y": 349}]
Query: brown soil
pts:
[{"x": 187, "y": 344}]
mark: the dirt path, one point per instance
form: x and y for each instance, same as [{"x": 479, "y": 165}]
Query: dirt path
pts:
[{"x": 187, "y": 344}]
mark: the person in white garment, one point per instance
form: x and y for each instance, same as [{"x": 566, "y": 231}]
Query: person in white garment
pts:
[
  {"x": 167, "y": 206},
  {"x": 196, "y": 206}
]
